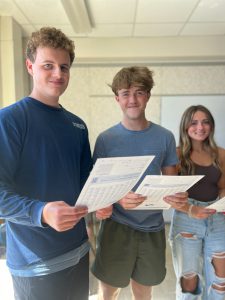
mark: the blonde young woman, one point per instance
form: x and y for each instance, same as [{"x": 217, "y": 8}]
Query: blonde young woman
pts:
[{"x": 197, "y": 233}]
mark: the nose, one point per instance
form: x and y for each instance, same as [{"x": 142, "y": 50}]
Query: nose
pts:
[
  {"x": 133, "y": 97},
  {"x": 200, "y": 125},
  {"x": 57, "y": 72}
]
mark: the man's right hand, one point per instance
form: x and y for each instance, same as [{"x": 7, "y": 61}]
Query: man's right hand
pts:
[
  {"x": 131, "y": 200},
  {"x": 61, "y": 216}
]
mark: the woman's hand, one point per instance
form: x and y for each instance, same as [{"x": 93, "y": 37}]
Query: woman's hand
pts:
[{"x": 199, "y": 212}]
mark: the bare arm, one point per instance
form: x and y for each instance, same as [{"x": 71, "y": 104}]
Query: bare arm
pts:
[{"x": 221, "y": 183}]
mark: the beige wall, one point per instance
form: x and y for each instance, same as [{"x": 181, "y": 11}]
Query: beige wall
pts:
[
  {"x": 150, "y": 49},
  {"x": 89, "y": 96}
]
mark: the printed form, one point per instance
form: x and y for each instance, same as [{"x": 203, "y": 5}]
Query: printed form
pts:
[
  {"x": 155, "y": 187},
  {"x": 111, "y": 179},
  {"x": 219, "y": 205}
]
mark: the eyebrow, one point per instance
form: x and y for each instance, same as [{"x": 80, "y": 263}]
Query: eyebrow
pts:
[{"x": 52, "y": 62}]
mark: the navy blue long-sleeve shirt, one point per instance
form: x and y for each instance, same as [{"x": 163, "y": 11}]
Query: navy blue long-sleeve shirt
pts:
[{"x": 44, "y": 156}]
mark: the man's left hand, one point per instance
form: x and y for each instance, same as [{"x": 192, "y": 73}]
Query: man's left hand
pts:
[
  {"x": 104, "y": 213},
  {"x": 177, "y": 200}
]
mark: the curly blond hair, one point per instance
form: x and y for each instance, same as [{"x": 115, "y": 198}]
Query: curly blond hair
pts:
[{"x": 49, "y": 37}]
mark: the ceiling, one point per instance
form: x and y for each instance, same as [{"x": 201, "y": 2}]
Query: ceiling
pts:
[
  {"x": 127, "y": 30},
  {"x": 120, "y": 18}
]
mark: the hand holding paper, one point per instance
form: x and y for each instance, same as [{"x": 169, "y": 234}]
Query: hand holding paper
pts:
[
  {"x": 111, "y": 179},
  {"x": 104, "y": 213},
  {"x": 219, "y": 205},
  {"x": 131, "y": 200},
  {"x": 156, "y": 187},
  {"x": 178, "y": 200}
]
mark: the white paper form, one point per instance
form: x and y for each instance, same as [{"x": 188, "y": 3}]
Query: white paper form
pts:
[
  {"x": 111, "y": 179},
  {"x": 219, "y": 205},
  {"x": 155, "y": 187}
]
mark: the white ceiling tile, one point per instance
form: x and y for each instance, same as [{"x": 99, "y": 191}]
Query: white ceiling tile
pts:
[
  {"x": 112, "y": 11},
  {"x": 204, "y": 29},
  {"x": 164, "y": 11},
  {"x": 116, "y": 18},
  {"x": 209, "y": 11},
  {"x": 157, "y": 29},
  {"x": 108, "y": 30},
  {"x": 8, "y": 8},
  {"x": 43, "y": 11}
]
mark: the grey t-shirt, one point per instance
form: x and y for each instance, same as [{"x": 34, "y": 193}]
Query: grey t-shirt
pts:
[{"x": 154, "y": 140}]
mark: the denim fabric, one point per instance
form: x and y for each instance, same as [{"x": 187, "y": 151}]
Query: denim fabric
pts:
[
  {"x": 195, "y": 254},
  {"x": 2, "y": 235}
]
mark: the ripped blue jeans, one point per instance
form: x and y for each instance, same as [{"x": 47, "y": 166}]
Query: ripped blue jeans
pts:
[{"x": 193, "y": 255}]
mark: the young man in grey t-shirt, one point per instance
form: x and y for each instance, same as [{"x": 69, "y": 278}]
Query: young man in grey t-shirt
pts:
[{"x": 131, "y": 244}]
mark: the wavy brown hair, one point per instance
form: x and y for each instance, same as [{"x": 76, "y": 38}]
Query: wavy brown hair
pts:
[
  {"x": 137, "y": 76},
  {"x": 187, "y": 166}
]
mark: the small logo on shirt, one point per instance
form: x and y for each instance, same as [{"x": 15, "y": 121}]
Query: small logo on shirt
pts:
[{"x": 80, "y": 126}]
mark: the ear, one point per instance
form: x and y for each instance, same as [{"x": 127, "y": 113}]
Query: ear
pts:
[
  {"x": 29, "y": 66},
  {"x": 117, "y": 98}
]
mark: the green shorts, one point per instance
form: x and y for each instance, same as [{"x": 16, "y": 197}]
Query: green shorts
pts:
[{"x": 124, "y": 253}]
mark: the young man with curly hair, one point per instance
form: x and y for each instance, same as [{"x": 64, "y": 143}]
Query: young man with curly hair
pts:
[{"x": 45, "y": 160}]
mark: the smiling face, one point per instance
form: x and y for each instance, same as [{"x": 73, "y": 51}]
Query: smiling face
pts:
[
  {"x": 50, "y": 71},
  {"x": 200, "y": 127},
  {"x": 133, "y": 102}
]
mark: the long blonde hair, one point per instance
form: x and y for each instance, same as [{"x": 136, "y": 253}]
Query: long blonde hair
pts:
[{"x": 187, "y": 166}]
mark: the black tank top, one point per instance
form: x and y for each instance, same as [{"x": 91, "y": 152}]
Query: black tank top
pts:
[{"x": 206, "y": 189}]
